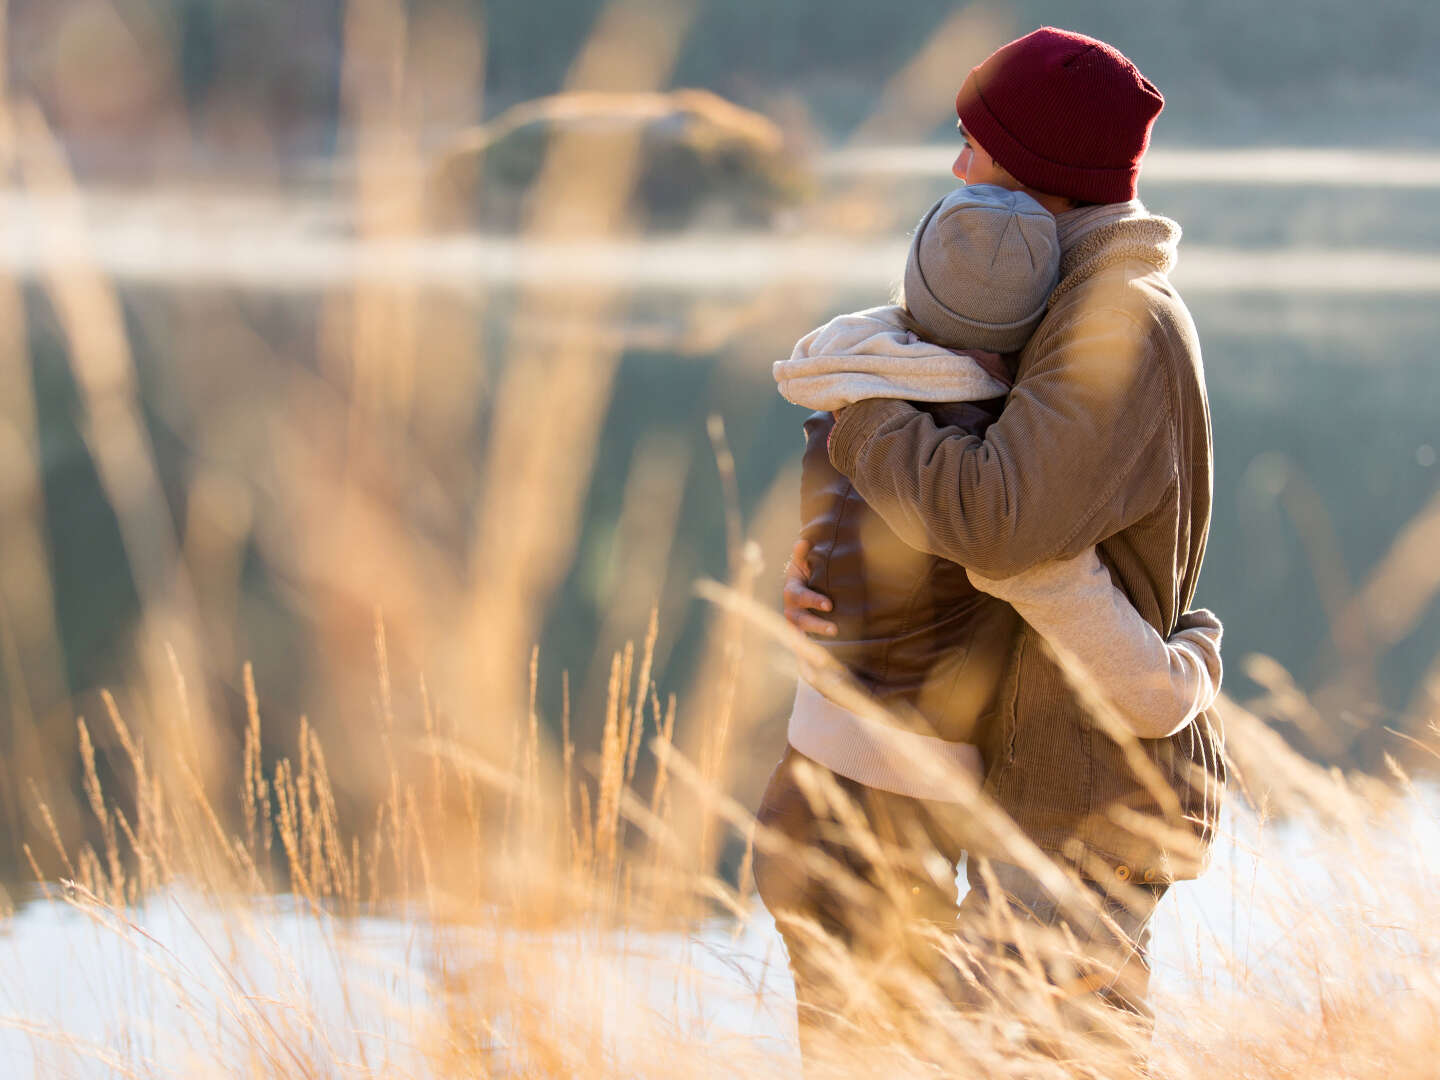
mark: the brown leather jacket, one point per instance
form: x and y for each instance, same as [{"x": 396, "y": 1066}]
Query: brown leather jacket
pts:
[{"x": 912, "y": 629}]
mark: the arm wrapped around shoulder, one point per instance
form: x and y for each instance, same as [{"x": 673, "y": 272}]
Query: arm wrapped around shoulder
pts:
[{"x": 1081, "y": 452}]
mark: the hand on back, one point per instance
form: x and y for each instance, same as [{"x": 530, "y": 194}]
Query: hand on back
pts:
[{"x": 800, "y": 600}]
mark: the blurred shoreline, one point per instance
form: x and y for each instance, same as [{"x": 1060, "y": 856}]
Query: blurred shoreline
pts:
[
  {"x": 281, "y": 261},
  {"x": 305, "y": 236}
]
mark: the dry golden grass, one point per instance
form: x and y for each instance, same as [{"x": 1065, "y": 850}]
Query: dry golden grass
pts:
[{"x": 542, "y": 919}]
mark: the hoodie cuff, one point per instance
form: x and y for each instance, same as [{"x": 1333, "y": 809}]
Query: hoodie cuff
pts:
[{"x": 854, "y": 425}]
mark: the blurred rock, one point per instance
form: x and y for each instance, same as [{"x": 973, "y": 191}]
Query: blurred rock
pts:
[{"x": 700, "y": 161}]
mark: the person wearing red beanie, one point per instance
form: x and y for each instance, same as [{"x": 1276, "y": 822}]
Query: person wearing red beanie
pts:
[{"x": 1104, "y": 440}]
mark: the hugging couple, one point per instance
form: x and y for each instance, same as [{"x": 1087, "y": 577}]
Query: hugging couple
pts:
[{"x": 1006, "y": 493}]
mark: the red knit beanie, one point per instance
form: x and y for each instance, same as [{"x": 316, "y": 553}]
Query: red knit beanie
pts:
[{"x": 1063, "y": 114}]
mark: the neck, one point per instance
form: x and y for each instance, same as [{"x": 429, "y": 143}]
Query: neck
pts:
[{"x": 1056, "y": 204}]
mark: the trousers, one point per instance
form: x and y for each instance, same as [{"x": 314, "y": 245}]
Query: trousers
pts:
[{"x": 862, "y": 885}]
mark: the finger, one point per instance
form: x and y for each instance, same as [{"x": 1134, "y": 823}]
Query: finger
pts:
[
  {"x": 813, "y": 624},
  {"x": 800, "y": 559},
  {"x": 810, "y": 624},
  {"x": 797, "y": 596}
]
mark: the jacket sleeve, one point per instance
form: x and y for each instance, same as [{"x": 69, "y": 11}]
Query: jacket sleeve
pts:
[
  {"x": 1153, "y": 685},
  {"x": 1080, "y": 452}
]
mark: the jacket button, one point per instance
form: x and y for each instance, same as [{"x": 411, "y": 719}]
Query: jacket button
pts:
[{"x": 1123, "y": 873}]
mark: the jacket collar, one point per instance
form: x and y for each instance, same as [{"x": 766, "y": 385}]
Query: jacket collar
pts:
[{"x": 1145, "y": 237}]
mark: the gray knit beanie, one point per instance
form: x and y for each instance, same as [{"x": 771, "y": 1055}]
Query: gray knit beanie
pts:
[{"x": 982, "y": 265}]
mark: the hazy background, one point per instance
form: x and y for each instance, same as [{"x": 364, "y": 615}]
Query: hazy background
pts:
[
  {"x": 252, "y": 397},
  {"x": 258, "y": 84}
]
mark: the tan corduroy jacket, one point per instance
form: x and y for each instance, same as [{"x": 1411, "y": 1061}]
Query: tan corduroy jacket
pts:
[{"x": 1105, "y": 440}]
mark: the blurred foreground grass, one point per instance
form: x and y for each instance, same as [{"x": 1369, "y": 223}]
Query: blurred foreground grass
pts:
[{"x": 560, "y": 917}]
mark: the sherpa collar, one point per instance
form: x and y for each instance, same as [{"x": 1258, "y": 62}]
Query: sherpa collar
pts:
[{"x": 1151, "y": 238}]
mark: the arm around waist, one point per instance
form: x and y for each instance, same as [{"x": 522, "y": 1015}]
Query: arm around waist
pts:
[{"x": 1153, "y": 685}]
